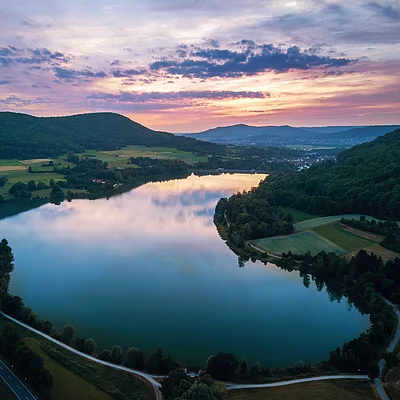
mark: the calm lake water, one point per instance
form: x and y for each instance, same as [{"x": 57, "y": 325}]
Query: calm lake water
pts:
[{"x": 148, "y": 269}]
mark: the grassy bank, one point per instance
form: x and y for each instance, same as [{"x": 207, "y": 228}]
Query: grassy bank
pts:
[
  {"x": 327, "y": 390},
  {"x": 5, "y": 392},
  {"x": 76, "y": 378}
]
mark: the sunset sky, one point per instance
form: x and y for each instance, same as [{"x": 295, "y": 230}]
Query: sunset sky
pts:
[{"x": 185, "y": 66}]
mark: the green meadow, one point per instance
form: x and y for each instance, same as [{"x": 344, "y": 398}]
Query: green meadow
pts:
[
  {"x": 120, "y": 158},
  {"x": 298, "y": 243},
  {"x": 313, "y": 223},
  {"x": 347, "y": 240}
]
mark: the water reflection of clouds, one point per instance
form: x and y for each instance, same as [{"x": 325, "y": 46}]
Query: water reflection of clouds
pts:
[{"x": 180, "y": 210}]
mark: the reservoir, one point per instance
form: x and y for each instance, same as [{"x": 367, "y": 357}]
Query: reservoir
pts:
[{"x": 147, "y": 268}]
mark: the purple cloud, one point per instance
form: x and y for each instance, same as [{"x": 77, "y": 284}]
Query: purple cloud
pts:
[
  {"x": 249, "y": 59},
  {"x": 70, "y": 74},
  {"x": 136, "y": 97}
]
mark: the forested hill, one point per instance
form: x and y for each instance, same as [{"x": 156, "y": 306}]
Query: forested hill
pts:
[
  {"x": 25, "y": 136},
  {"x": 365, "y": 180}
]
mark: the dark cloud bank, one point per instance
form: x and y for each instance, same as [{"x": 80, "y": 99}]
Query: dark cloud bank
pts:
[{"x": 247, "y": 58}]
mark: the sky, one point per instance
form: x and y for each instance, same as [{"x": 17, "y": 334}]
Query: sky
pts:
[{"x": 186, "y": 66}]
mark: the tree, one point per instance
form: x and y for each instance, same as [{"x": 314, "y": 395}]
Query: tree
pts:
[
  {"x": 172, "y": 382},
  {"x": 41, "y": 185},
  {"x": 117, "y": 355},
  {"x": 373, "y": 371},
  {"x": 134, "y": 358},
  {"x": 3, "y": 181},
  {"x": 198, "y": 391},
  {"x": 219, "y": 390},
  {"x": 105, "y": 355},
  {"x": 10, "y": 339},
  {"x": 68, "y": 334},
  {"x": 89, "y": 346},
  {"x": 20, "y": 190},
  {"x": 47, "y": 327},
  {"x": 243, "y": 366},
  {"x": 31, "y": 186},
  {"x": 391, "y": 359},
  {"x": 155, "y": 362},
  {"x": 56, "y": 192},
  {"x": 222, "y": 366}
]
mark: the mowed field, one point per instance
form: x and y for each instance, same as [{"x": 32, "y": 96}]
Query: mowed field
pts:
[
  {"x": 17, "y": 170},
  {"x": 299, "y": 243},
  {"x": 76, "y": 378},
  {"x": 326, "y": 390},
  {"x": 343, "y": 238},
  {"x": 315, "y": 234},
  {"x": 317, "y": 221}
]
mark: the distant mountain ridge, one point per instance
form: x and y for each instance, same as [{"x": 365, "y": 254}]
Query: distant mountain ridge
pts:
[
  {"x": 26, "y": 136},
  {"x": 338, "y": 136}
]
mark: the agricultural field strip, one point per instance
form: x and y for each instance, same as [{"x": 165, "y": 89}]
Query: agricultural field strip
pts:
[
  {"x": 313, "y": 223},
  {"x": 341, "y": 237},
  {"x": 298, "y": 243}
]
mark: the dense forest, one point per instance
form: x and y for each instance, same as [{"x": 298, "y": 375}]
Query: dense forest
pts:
[
  {"x": 365, "y": 179},
  {"x": 370, "y": 280},
  {"x": 24, "y": 136}
]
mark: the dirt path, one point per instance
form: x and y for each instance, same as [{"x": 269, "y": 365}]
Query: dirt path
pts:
[{"x": 366, "y": 235}]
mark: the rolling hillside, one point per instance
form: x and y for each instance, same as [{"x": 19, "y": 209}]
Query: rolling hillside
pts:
[{"x": 24, "y": 136}]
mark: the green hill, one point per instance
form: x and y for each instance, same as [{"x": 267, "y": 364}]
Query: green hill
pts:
[
  {"x": 364, "y": 180},
  {"x": 24, "y": 136}
]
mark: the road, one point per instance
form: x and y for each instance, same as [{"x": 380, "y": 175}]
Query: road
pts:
[
  {"x": 392, "y": 345},
  {"x": 294, "y": 381},
  {"x": 156, "y": 385},
  {"x": 148, "y": 377},
  {"x": 15, "y": 384},
  {"x": 396, "y": 337}
]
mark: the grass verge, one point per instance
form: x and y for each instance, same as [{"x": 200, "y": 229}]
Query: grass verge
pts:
[
  {"x": 76, "y": 378},
  {"x": 5, "y": 392},
  {"x": 327, "y": 390}
]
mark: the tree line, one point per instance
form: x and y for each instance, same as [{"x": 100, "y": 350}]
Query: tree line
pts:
[
  {"x": 389, "y": 229},
  {"x": 365, "y": 180},
  {"x": 27, "y": 363},
  {"x": 368, "y": 278}
]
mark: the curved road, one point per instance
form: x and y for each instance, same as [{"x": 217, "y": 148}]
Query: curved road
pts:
[
  {"x": 148, "y": 377},
  {"x": 15, "y": 384},
  {"x": 156, "y": 385},
  {"x": 294, "y": 381}
]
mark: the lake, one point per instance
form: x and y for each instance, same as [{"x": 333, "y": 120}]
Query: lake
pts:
[{"x": 148, "y": 268}]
